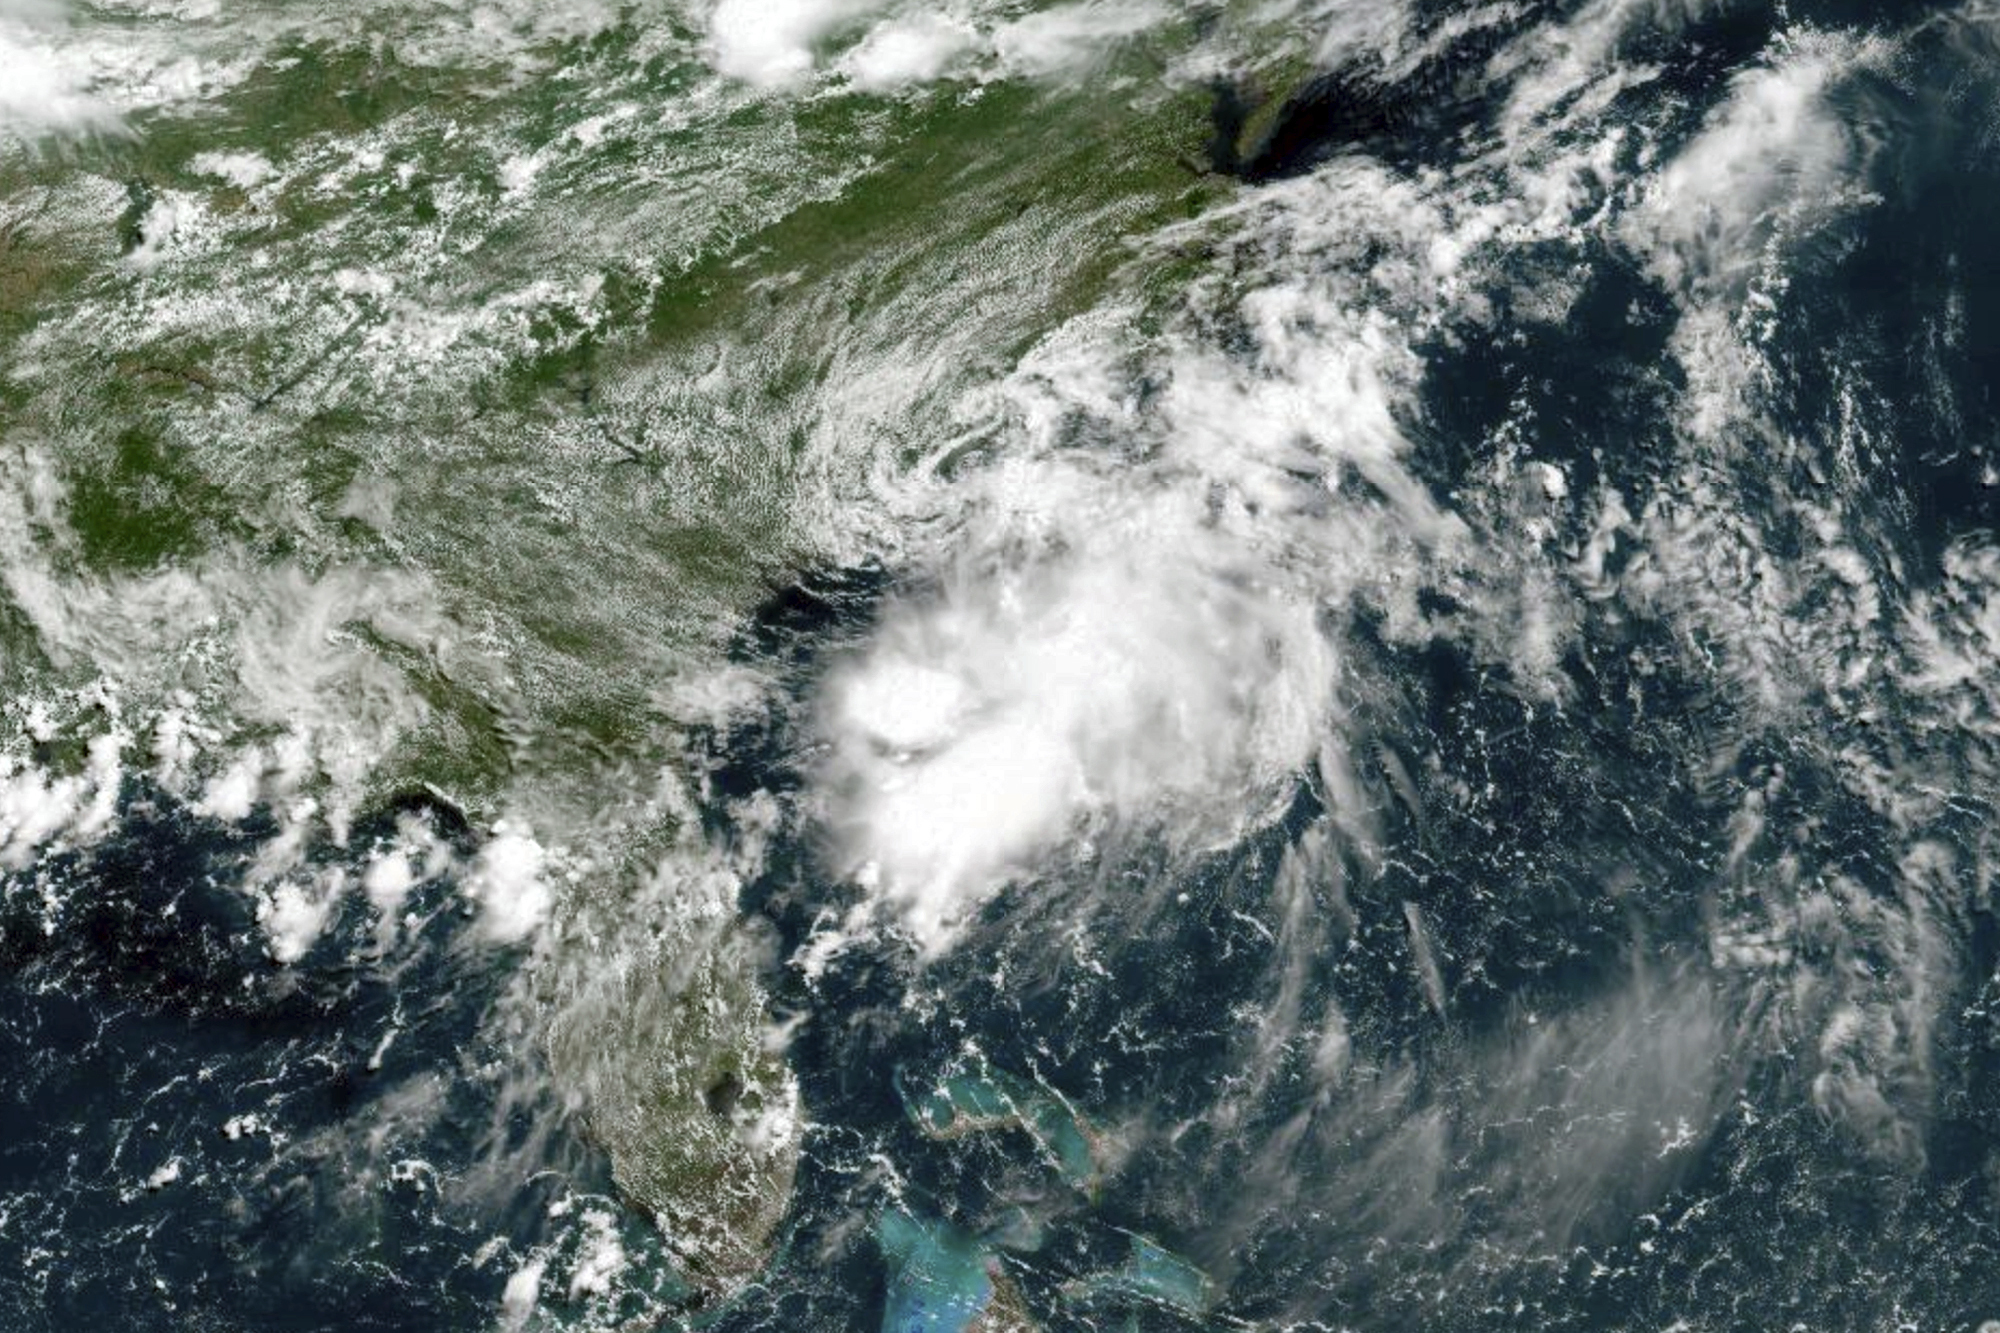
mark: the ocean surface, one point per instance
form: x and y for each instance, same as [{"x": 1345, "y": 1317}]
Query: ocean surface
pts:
[{"x": 988, "y": 666}]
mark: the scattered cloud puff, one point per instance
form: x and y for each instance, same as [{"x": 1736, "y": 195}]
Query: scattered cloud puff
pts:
[
  {"x": 778, "y": 43},
  {"x": 38, "y": 809},
  {"x": 46, "y": 85},
  {"x": 508, "y": 885},
  {"x": 907, "y": 51},
  {"x": 246, "y": 171},
  {"x": 294, "y": 915},
  {"x": 770, "y": 42}
]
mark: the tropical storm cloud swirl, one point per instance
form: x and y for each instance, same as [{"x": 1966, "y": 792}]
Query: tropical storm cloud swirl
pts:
[{"x": 968, "y": 665}]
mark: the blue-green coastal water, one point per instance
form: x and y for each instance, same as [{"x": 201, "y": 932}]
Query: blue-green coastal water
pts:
[{"x": 1105, "y": 665}]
